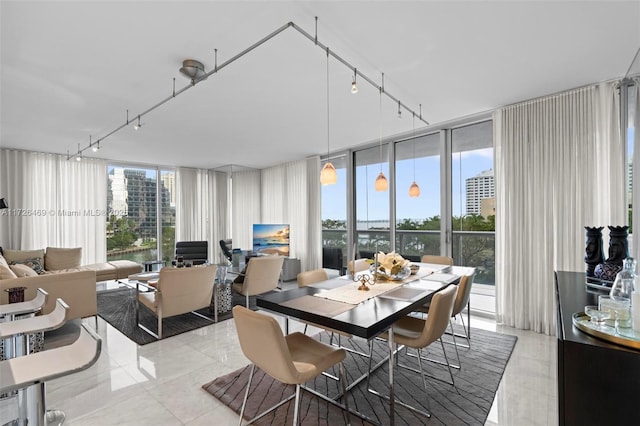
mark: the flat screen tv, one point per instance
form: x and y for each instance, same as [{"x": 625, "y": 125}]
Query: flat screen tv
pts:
[{"x": 271, "y": 239}]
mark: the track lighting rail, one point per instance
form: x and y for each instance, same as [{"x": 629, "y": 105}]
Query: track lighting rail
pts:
[{"x": 217, "y": 68}]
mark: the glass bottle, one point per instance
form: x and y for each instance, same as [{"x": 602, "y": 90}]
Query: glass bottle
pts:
[{"x": 624, "y": 283}]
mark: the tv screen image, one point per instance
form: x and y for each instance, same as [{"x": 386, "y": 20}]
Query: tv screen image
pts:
[{"x": 271, "y": 239}]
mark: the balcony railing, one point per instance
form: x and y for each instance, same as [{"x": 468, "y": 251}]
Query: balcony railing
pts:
[{"x": 470, "y": 248}]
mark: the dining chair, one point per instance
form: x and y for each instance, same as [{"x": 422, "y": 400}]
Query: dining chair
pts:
[
  {"x": 292, "y": 359},
  {"x": 418, "y": 333},
  {"x": 358, "y": 265},
  {"x": 262, "y": 275},
  {"x": 314, "y": 276},
  {"x": 440, "y": 260},
  {"x": 177, "y": 291},
  {"x": 462, "y": 301}
]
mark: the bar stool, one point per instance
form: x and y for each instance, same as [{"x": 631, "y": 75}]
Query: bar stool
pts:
[
  {"x": 15, "y": 336},
  {"x": 36, "y": 369}
]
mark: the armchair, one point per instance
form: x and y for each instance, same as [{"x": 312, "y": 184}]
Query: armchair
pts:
[{"x": 178, "y": 291}]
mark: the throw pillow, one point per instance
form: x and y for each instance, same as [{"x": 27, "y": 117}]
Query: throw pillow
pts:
[
  {"x": 6, "y": 273},
  {"x": 23, "y": 270},
  {"x": 35, "y": 264},
  {"x": 62, "y": 258},
  {"x": 3, "y": 261},
  {"x": 19, "y": 255}
]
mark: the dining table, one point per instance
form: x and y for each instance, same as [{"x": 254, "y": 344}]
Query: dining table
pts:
[{"x": 344, "y": 305}]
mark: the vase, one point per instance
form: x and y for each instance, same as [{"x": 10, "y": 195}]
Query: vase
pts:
[{"x": 382, "y": 274}]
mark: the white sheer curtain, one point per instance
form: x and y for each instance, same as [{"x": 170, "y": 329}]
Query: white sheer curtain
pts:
[
  {"x": 559, "y": 167},
  {"x": 245, "y": 187},
  {"x": 287, "y": 193},
  {"x": 291, "y": 194},
  {"x": 61, "y": 203},
  {"x": 202, "y": 207}
]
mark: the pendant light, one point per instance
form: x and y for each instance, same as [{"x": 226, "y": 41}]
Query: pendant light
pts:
[
  {"x": 414, "y": 189},
  {"x": 328, "y": 175},
  {"x": 381, "y": 184}
]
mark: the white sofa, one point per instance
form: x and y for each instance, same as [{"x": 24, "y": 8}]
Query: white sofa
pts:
[{"x": 58, "y": 271}]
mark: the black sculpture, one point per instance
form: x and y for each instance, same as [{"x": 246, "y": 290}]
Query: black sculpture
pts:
[
  {"x": 618, "y": 251},
  {"x": 618, "y": 244},
  {"x": 594, "y": 254}
]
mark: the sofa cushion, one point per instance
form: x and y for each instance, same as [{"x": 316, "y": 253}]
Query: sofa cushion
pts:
[
  {"x": 18, "y": 255},
  {"x": 6, "y": 272},
  {"x": 3, "y": 261},
  {"x": 62, "y": 258},
  {"x": 35, "y": 264},
  {"x": 23, "y": 270}
]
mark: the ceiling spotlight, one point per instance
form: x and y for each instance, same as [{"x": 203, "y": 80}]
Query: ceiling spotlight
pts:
[
  {"x": 399, "y": 110},
  {"x": 192, "y": 69},
  {"x": 95, "y": 147},
  {"x": 354, "y": 86},
  {"x": 138, "y": 125}
]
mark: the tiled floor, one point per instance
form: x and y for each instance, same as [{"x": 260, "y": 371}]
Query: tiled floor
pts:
[{"x": 160, "y": 383}]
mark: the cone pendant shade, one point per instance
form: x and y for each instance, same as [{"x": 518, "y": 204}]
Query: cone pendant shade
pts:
[
  {"x": 381, "y": 183},
  {"x": 328, "y": 175}
]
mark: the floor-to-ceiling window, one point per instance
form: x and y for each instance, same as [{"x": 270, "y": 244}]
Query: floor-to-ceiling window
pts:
[
  {"x": 334, "y": 208},
  {"x": 142, "y": 224},
  {"x": 473, "y": 199},
  {"x": 371, "y": 205},
  {"x": 418, "y": 196}
]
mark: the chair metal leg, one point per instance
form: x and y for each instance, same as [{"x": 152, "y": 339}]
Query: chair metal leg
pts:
[
  {"x": 296, "y": 406},
  {"x": 454, "y": 342},
  {"x": 247, "y": 299},
  {"x": 449, "y": 366},
  {"x": 246, "y": 394},
  {"x": 343, "y": 380}
]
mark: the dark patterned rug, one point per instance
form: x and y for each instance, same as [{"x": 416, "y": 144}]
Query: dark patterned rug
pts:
[
  {"x": 477, "y": 382},
  {"x": 118, "y": 308}
]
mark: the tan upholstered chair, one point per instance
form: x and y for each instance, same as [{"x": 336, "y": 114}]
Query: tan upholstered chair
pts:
[
  {"x": 439, "y": 260},
  {"x": 418, "y": 333},
  {"x": 178, "y": 291},
  {"x": 262, "y": 275},
  {"x": 462, "y": 301},
  {"x": 292, "y": 359},
  {"x": 358, "y": 265},
  {"x": 311, "y": 277}
]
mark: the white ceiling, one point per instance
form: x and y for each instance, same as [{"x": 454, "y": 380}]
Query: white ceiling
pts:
[{"x": 71, "y": 69}]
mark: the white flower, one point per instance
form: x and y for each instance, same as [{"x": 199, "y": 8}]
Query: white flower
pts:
[{"x": 391, "y": 263}]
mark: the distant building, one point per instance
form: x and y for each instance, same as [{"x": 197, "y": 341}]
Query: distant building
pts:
[
  {"x": 488, "y": 207},
  {"x": 478, "y": 188},
  {"x": 169, "y": 182},
  {"x": 131, "y": 191}
]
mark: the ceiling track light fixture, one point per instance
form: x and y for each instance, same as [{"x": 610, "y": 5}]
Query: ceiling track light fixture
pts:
[
  {"x": 354, "y": 86},
  {"x": 137, "y": 125},
  {"x": 328, "y": 175},
  {"x": 79, "y": 155},
  {"x": 195, "y": 71},
  {"x": 382, "y": 184}
]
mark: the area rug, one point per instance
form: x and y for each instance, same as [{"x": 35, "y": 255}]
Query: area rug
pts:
[
  {"x": 467, "y": 404},
  {"x": 118, "y": 308}
]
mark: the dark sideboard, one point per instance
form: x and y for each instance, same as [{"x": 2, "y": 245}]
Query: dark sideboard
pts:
[{"x": 598, "y": 382}]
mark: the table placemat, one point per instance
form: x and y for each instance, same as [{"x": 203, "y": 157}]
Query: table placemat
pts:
[
  {"x": 325, "y": 307},
  {"x": 349, "y": 293}
]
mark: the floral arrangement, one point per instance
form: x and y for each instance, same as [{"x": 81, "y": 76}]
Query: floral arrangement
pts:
[{"x": 391, "y": 265}]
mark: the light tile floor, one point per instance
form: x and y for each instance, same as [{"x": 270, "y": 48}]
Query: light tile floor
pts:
[{"x": 160, "y": 383}]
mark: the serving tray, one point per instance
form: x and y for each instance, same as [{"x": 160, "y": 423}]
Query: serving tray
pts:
[{"x": 622, "y": 336}]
